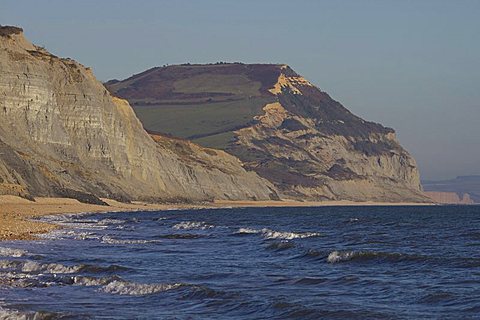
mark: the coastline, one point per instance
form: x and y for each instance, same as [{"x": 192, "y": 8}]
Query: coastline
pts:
[{"x": 16, "y": 213}]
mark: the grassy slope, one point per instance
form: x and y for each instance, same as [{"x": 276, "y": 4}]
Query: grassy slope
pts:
[
  {"x": 198, "y": 121},
  {"x": 204, "y": 104}
]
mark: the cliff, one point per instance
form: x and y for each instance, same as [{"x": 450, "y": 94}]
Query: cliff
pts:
[
  {"x": 280, "y": 125},
  {"x": 449, "y": 197},
  {"x": 63, "y": 134},
  {"x": 459, "y": 186}
]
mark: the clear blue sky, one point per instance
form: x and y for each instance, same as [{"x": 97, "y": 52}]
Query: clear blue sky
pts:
[{"x": 411, "y": 65}]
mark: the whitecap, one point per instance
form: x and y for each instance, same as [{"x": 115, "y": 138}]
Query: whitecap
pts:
[
  {"x": 248, "y": 231},
  {"x": 7, "y": 314},
  {"x": 137, "y": 289},
  {"x": 93, "y": 281},
  {"x": 35, "y": 267},
  {"x": 272, "y": 234},
  {"x": 10, "y": 252},
  {"x": 109, "y": 221},
  {"x": 189, "y": 225},
  {"x": 341, "y": 256},
  {"x": 110, "y": 240},
  {"x": 337, "y": 256}
]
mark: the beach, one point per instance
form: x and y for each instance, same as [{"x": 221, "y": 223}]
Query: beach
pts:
[{"x": 17, "y": 214}]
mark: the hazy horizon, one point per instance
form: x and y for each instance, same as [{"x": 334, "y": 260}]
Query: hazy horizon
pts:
[{"x": 410, "y": 65}]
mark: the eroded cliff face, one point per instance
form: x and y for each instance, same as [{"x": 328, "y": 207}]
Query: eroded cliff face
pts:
[
  {"x": 311, "y": 147},
  {"x": 63, "y": 134},
  {"x": 281, "y": 126}
]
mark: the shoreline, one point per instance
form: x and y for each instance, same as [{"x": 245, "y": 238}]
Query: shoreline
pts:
[{"x": 16, "y": 213}]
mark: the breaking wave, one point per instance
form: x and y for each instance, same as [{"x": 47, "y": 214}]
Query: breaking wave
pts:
[
  {"x": 180, "y": 236},
  {"x": 7, "y": 314},
  {"x": 34, "y": 267},
  {"x": 281, "y": 245},
  {"x": 193, "y": 225},
  {"x": 272, "y": 234},
  {"x": 10, "y": 252},
  {"x": 110, "y": 240},
  {"x": 343, "y": 256},
  {"x": 122, "y": 287}
]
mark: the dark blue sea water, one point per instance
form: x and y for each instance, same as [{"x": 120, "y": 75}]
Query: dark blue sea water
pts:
[{"x": 255, "y": 263}]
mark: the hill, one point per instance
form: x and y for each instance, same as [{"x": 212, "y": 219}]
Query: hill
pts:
[{"x": 279, "y": 125}]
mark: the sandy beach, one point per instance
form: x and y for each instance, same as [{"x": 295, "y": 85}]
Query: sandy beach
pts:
[{"x": 16, "y": 213}]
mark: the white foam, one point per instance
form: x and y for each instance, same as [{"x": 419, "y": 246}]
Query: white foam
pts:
[
  {"x": 111, "y": 221},
  {"x": 7, "y": 264},
  {"x": 110, "y": 240},
  {"x": 32, "y": 266},
  {"x": 337, "y": 256},
  {"x": 248, "y": 231},
  {"x": 272, "y": 234},
  {"x": 6, "y": 314},
  {"x": 189, "y": 225},
  {"x": 10, "y": 252},
  {"x": 92, "y": 281},
  {"x": 137, "y": 289}
]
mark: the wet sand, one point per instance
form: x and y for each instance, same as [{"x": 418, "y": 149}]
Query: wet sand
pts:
[{"x": 16, "y": 213}]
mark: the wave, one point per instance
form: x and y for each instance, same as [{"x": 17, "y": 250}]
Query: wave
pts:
[
  {"x": 8, "y": 314},
  {"x": 310, "y": 281},
  {"x": 247, "y": 231},
  {"x": 193, "y": 225},
  {"x": 344, "y": 256},
  {"x": 109, "y": 221},
  {"x": 272, "y": 234},
  {"x": 436, "y": 297},
  {"x": 110, "y": 240},
  {"x": 93, "y": 281},
  {"x": 281, "y": 245},
  {"x": 180, "y": 236},
  {"x": 203, "y": 292},
  {"x": 69, "y": 234},
  {"x": 33, "y": 267},
  {"x": 122, "y": 287},
  {"x": 10, "y": 252}
]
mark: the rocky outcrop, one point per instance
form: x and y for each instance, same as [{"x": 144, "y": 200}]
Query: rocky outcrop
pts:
[
  {"x": 63, "y": 134},
  {"x": 281, "y": 126}
]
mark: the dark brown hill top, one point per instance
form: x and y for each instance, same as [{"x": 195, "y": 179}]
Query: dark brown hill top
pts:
[{"x": 6, "y": 31}]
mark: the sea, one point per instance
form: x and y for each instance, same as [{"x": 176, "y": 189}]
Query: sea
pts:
[{"x": 249, "y": 263}]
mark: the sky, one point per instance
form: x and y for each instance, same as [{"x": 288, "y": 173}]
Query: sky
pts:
[{"x": 413, "y": 65}]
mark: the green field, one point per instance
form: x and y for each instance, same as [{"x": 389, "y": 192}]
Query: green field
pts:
[{"x": 209, "y": 124}]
